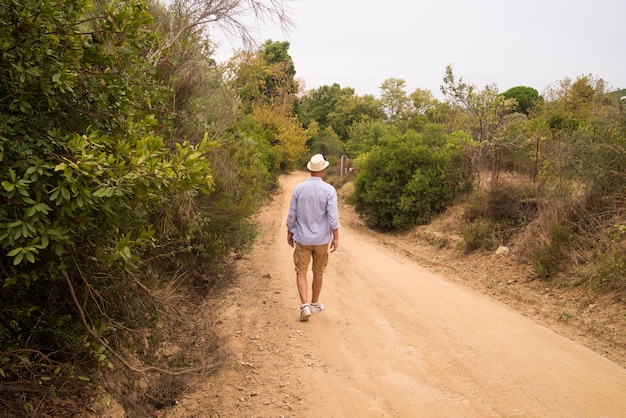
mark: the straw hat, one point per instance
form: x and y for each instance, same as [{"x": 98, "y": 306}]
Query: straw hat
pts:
[{"x": 318, "y": 163}]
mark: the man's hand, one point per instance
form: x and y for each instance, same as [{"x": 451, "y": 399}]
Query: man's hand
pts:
[
  {"x": 290, "y": 241},
  {"x": 334, "y": 244}
]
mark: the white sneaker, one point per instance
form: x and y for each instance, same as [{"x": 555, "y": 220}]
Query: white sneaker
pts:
[
  {"x": 305, "y": 313},
  {"x": 316, "y": 307}
]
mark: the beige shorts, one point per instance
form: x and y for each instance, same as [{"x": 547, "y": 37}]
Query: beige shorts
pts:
[{"x": 302, "y": 257}]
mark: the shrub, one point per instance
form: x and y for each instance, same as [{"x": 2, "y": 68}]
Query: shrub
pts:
[
  {"x": 548, "y": 259},
  {"x": 479, "y": 235},
  {"x": 506, "y": 207},
  {"x": 84, "y": 181},
  {"x": 406, "y": 183}
]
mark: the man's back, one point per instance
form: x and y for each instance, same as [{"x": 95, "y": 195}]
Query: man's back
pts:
[{"x": 313, "y": 212}]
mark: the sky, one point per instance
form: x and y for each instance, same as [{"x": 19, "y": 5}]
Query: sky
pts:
[{"x": 533, "y": 43}]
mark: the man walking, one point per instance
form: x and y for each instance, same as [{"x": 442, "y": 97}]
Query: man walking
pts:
[{"x": 312, "y": 228}]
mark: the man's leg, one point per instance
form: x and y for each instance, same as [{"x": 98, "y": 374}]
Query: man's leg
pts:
[
  {"x": 303, "y": 287},
  {"x": 305, "y": 309},
  {"x": 301, "y": 258},
  {"x": 318, "y": 278},
  {"x": 320, "y": 261}
]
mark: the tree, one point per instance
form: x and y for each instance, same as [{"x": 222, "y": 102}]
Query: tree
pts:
[
  {"x": 320, "y": 103},
  {"x": 265, "y": 76},
  {"x": 584, "y": 143},
  {"x": 571, "y": 102},
  {"x": 264, "y": 80},
  {"x": 352, "y": 110},
  {"x": 326, "y": 142},
  {"x": 394, "y": 98},
  {"x": 526, "y": 98},
  {"x": 485, "y": 115},
  {"x": 422, "y": 101},
  {"x": 283, "y": 133},
  {"x": 423, "y": 109},
  {"x": 225, "y": 15},
  {"x": 369, "y": 134},
  {"x": 280, "y": 84}
]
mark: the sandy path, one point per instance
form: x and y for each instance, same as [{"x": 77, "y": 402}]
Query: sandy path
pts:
[{"x": 395, "y": 340}]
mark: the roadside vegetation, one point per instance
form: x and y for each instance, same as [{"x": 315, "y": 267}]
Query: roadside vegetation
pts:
[{"x": 133, "y": 162}]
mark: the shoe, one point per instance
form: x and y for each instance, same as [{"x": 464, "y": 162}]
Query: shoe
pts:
[
  {"x": 316, "y": 307},
  {"x": 305, "y": 313}
]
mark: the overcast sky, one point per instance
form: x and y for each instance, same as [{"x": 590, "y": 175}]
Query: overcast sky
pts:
[{"x": 534, "y": 43}]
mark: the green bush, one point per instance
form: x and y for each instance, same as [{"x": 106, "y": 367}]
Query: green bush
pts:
[
  {"x": 507, "y": 208},
  {"x": 549, "y": 258},
  {"x": 404, "y": 183},
  {"x": 84, "y": 184},
  {"x": 479, "y": 235}
]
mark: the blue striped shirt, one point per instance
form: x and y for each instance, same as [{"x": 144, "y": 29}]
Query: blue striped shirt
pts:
[{"x": 313, "y": 212}]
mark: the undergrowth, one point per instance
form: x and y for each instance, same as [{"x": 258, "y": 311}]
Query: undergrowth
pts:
[{"x": 577, "y": 242}]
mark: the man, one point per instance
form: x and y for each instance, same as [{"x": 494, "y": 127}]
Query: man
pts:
[{"x": 312, "y": 228}]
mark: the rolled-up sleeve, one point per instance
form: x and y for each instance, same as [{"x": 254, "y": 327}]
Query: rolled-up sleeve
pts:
[
  {"x": 292, "y": 216},
  {"x": 333, "y": 210}
]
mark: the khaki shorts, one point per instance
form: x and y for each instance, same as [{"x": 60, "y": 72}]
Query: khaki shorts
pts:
[{"x": 302, "y": 257}]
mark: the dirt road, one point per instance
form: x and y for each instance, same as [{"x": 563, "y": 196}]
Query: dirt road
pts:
[{"x": 395, "y": 340}]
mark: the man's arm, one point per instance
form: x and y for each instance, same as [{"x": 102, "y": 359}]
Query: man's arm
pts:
[
  {"x": 291, "y": 218},
  {"x": 333, "y": 219}
]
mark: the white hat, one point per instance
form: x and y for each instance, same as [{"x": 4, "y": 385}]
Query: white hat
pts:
[{"x": 318, "y": 163}]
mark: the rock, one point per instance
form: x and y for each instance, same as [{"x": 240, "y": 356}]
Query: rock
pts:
[{"x": 502, "y": 250}]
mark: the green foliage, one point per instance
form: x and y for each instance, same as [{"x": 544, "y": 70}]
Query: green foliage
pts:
[
  {"x": 282, "y": 132},
  {"x": 351, "y": 111},
  {"x": 580, "y": 160},
  {"x": 496, "y": 215},
  {"x": 405, "y": 183},
  {"x": 276, "y": 52},
  {"x": 49, "y": 165},
  {"x": 253, "y": 141},
  {"x": 119, "y": 165},
  {"x": 83, "y": 178},
  {"x": 326, "y": 142},
  {"x": 339, "y": 108},
  {"x": 265, "y": 78},
  {"x": 279, "y": 82},
  {"x": 265, "y": 83},
  {"x": 595, "y": 158},
  {"x": 318, "y": 105},
  {"x": 526, "y": 98},
  {"x": 479, "y": 235},
  {"x": 484, "y": 118},
  {"x": 585, "y": 162},
  {"x": 549, "y": 258},
  {"x": 396, "y": 102},
  {"x": 571, "y": 102},
  {"x": 365, "y": 136}
]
